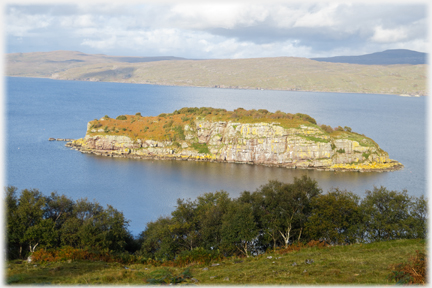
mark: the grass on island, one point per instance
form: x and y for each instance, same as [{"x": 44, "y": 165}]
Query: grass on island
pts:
[
  {"x": 354, "y": 264},
  {"x": 170, "y": 126}
]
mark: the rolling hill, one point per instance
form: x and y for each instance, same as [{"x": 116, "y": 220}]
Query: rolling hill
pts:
[
  {"x": 276, "y": 73},
  {"x": 388, "y": 57}
]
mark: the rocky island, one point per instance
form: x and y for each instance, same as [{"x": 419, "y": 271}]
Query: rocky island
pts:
[{"x": 240, "y": 136}]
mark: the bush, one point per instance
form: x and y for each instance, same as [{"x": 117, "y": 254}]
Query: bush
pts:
[
  {"x": 198, "y": 255},
  {"x": 326, "y": 128},
  {"x": 121, "y": 117},
  {"x": 201, "y": 148},
  {"x": 413, "y": 272},
  {"x": 138, "y": 114}
]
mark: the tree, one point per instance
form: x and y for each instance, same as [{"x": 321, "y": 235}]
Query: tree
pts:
[
  {"x": 239, "y": 228},
  {"x": 185, "y": 224},
  {"x": 29, "y": 214},
  {"x": 211, "y": 209},
  {"x": 418, "y": 219},
  {"x": 12, "y": 234},
  {"x": 387, "y": 214},
  {"x": 336, "y": 218},
  {"x": 295, "y": 206},
  {"x": 158, "y": 241}
]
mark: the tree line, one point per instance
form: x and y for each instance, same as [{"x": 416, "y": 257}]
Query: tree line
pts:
[{"x": 276, "y": 215}]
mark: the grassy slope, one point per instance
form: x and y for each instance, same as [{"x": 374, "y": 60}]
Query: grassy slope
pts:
[
  {"x": 163, "y": 127},
  {"x": 283, "y": 73},
  {"x": 354, "y": 264}
]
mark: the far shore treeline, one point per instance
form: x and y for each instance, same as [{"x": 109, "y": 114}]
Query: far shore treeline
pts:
[{"x": 275, "y": 216}]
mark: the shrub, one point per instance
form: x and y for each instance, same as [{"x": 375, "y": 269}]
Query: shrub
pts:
[
  {"x": 198, "y": 255},
  {"x": 366, "y": 155},
  {"x": 326, "y": 128},
  {"x": 138, "y": 114},
  {"x": 348, "y": 129},
  {"x": 413, "y": 272},
  {"x": 340, "y": 150},
  {"x": 121, "y": 117},
  {"x": 201, "y": 148}
]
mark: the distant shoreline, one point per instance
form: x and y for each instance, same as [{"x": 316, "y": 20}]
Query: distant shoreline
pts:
[{"x": 240, "y": 88}]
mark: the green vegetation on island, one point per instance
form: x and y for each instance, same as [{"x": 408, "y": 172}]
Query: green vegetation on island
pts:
[
  {"x": 283, "y": 233},
  {"x": 241, "y": 136}
]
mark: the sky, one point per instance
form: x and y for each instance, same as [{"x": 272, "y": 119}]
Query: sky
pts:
[{"x": 216, "y": 30}]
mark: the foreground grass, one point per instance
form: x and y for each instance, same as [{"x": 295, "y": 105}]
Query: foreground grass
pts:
[{"x": 354, "y": 264}]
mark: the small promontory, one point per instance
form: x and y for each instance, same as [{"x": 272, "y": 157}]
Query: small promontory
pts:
[{"x": 239, "y": 136}]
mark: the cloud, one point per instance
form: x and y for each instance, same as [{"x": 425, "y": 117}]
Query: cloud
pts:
[
  {"x": 382, "y": 35},
  {"x": 219, "y": 30},
  {"x": 21, "y": 24}
]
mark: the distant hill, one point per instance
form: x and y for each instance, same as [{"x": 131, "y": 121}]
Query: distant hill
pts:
[
  {"x": 276, "y": 73},
  {"x": 44, "y": 64},
  {"x": 387, "y": 57}
]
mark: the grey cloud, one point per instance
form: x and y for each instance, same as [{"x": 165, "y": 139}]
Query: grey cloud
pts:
[{"x": 355, "y": 25}]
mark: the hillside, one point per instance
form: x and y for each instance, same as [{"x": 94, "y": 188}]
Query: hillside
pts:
[
  {"x": 44, "y": 64},
  {"x": 239, "y": 136},
  {"x": 354, "y": 264},
  {"x": 388, "y": 57},
  {"x": 279, "y": 73}
]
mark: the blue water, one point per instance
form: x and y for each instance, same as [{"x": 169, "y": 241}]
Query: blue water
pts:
[{"x": 37, "y": 109}]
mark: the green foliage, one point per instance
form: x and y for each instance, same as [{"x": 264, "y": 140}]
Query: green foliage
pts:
[
  {"x": 339, "y": 128},
  {"x": 106, "y": 117},
  {"x": 179, "y": 132},
  {"x": 138, "y": 114},
  {"x": 348, "y": 129},
  {"x": 239, "y": 228},
  {"x": 163, "y": 115},
  {"x": 201, "y": 148},
  {"x": 158, "y": 241},
  {"x": 366, "y": 155},
  {"x": 306, "y": 118},
  {"x": 121, "y": 117},
  {"x": 197, "y": 255},
  {"x": 315, "y": 139},
  {"x": 212, "y": 226},
  {"x": 168, "y": 124},
  {"x": 164, "y": 276},
  {"x": 36, "y": 221},
  {"x": 327, "y": 128},
  {"x": 340, "y": 150},
  {"x": 388, "y": 215},
  {"x": 336, "y": 218}
]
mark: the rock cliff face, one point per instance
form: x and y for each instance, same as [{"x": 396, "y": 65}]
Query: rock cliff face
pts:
[{"x": 306, "y": 146}]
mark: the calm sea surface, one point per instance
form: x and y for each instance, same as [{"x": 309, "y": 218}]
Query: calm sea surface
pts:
[{"x": 37, "y": 109}]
